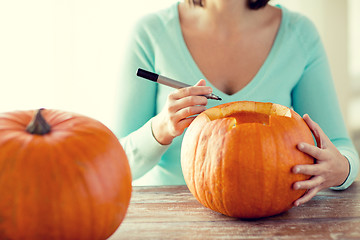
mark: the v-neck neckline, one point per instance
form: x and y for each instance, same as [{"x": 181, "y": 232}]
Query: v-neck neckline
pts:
[{"x": 259, "y": 76}]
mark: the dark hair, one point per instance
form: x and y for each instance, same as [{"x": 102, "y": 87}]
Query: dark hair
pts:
[
  {"x": 256, "y": 4},
  {"x": 252, "y": 4}
]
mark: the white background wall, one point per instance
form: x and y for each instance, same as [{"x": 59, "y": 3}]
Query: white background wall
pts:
[{"x": 66, "y": 54}]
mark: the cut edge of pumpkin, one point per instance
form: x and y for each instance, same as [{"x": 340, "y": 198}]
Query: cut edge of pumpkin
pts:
[{"x": 270, "y": 109}]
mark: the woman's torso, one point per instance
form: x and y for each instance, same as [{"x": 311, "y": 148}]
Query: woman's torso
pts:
[{"x": 230, "y": 56}]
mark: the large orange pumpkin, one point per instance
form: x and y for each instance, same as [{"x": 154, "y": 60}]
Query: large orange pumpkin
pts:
[
  {"x": 62, "y": 176},
  {"x": 237, "y": 158}
]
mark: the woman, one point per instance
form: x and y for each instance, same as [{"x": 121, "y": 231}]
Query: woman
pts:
[{"x": 246, "y": 50}]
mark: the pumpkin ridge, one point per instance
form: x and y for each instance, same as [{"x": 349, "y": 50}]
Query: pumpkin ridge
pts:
[
  {"x": 66, "y": 187},
  {"x": 54, "y": 117},
  {"x": 261, "y": 166},
  {"x": 291, "y": 155},
  {"x": 227, "y": 127},
  {"x": 104, "y": 186},
  {"x": 24, "y": 155},
  {"x": 8, "y": 215},
  {"x": 189, "y": 164},
  {"x": 203, "y": 141},
  {"x": 16, "y": 191},
  {"x": 84, "y": 183},
  {"x": 209, "y": 162},
  {"x": 55, "y": 171},
  {"x": 51, "y": 223},
  {"x": 272, "y": 187},
  {"x": 219, "y": 185},
  {"x": 277, "y": 185},
  {"x": 8, "y": 120},
  {"x": 81, "y": 122},
  {"x": 223, "y": 159},
  {"x": 194, "y": 163}
]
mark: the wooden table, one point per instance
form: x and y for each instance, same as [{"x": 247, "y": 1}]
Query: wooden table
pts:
[{"x": 171, "y": 212}]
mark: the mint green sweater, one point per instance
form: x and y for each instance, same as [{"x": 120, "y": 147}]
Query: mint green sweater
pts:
[{"x": 295, "y": 74}]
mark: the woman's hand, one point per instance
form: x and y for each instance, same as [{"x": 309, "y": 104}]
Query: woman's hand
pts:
[
  {"x": 330, "y": 168},
  {"x": 179, "y": 111}
]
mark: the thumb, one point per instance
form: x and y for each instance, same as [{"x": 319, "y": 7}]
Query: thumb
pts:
[{"x": 320, "y": 136}]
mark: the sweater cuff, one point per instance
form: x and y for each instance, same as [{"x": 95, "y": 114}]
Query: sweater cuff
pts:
[
  {"x": 143, "y": 150},
  {"x": 353, "y": 159},
  {"x": 151, "y": 147}
]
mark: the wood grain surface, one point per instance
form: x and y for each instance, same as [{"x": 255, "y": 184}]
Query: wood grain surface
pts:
[{"x": 171, "y": 212}]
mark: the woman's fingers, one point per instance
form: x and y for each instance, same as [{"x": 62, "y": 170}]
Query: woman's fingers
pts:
[
  {"x": 311, "y": 150},
  {"x": 190, "y": 111},
  {"x": 198, "y": 90},
  {"x": 186, "y": 113},
  {"x": 201, "y": 82},
  {"x": 192, "y": 101},
  {"x": 308, "y": 169},
  {"x": 307, "y": 196},
  {"x": 331, "y": 167},
  {"x": 309, "y": 184},
  {"x": 184, "y": 123},
  {"x": 180, "y": 109},
  {"x": 192, "y": 104}
]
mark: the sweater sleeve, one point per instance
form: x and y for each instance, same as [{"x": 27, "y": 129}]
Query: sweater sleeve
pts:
[
  {"x": 136, "y": 105},
  {"x": 142, "y": 150},
  {"x": 315, "y": 94}
]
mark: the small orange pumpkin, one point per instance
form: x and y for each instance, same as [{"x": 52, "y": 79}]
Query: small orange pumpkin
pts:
[
  {"x": 62, "y": 176},
  {"x": 237, "y": 158}
]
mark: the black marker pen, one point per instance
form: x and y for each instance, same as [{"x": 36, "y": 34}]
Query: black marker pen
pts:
[{"x": 168, "y": 81}]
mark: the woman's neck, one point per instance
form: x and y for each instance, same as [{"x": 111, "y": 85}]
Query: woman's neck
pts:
[
  {"x": 225, "y": 10},
  {"x": 221, "y": 16}
]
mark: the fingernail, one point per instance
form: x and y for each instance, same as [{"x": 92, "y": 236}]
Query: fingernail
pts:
[
  {"x": 199, "y": 82},
  {"x": 209, "y": 89},
  {"x": 301, "y": 146},
  {"x": 296, "y": 170}
]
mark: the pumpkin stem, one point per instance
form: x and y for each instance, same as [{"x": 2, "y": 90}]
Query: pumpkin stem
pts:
[{"x": 38, "y": 124}]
